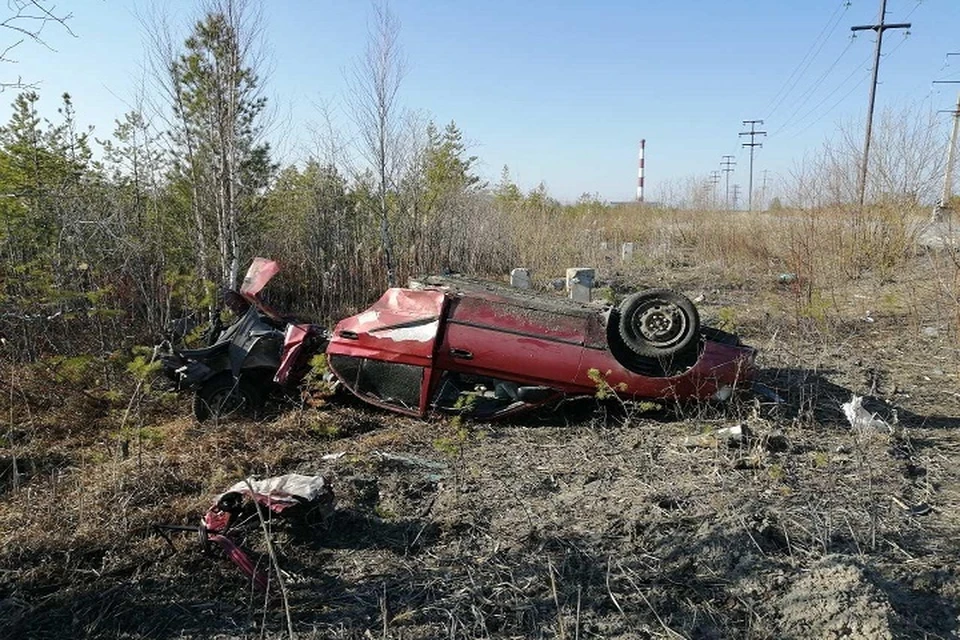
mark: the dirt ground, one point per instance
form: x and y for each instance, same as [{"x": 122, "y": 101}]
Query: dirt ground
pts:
[{"x": 592, "y": 520}]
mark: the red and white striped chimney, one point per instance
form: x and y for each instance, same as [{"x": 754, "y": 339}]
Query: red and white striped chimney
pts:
[{"x": 640, "y": 173}]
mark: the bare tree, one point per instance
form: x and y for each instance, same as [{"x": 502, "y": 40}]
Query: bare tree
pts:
[
  {"x": 911, "y": 146},
  {"x": 171, "y": 104},
  {"x": 906, "y": 164},
  {"x": 328, "y": 144},
  {"x": 214, "y": 102},
  {"x": 374, "y": 82},
  {"x": 27, "y": 22}
]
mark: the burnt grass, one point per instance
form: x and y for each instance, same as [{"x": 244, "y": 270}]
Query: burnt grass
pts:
[{"x": 591, "y": 520}]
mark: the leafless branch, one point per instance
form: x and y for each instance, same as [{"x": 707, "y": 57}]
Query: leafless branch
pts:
[{"x": 27, "y": 22}]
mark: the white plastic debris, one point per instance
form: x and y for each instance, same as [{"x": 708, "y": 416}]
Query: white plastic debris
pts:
[
  {"x": 861, "y": 419},
  {"x": 735, "y": 433},
  {"x": 732, "y": 436},
  {"x": 292, "y": 487}
]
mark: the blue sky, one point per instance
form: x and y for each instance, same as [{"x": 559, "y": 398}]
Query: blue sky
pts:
[{"x": 561, "y": 90}]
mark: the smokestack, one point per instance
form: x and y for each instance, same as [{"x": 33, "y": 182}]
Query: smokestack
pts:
[{"x": 640, "y": 173}]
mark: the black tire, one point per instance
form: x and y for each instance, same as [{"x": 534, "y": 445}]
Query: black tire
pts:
[
  {"x": 223, "y": 396},
  {"x": 658, "y": 323}
]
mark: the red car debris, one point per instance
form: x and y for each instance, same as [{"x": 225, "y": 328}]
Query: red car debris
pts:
[
  {"x": 247, "y": 506},
  {"x": 454, "y": 344}
]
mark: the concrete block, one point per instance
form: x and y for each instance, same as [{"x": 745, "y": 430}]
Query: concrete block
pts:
[
  {"x": 520, "y": 278},
  {"x": 626, "y": 252},
  {"x": 580, "y": 283}
]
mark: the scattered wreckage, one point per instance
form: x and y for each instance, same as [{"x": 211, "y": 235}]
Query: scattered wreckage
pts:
[
  {"x": 247, "y": 506},
  {"x": 454, "y": 344},
  {"x": 262, "y": 353}
]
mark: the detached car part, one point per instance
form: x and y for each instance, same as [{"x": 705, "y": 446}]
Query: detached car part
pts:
[
  {"x": 261, "y": 353},
  {"x": 241, "y": 508}
]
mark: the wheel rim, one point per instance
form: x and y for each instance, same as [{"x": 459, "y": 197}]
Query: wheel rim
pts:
[
  {"x": 227, "y": 401},
  {"x": 660, "y": 324}
]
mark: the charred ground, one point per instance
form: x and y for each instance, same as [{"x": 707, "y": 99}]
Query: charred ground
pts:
[{"x": 593, "y": 520}]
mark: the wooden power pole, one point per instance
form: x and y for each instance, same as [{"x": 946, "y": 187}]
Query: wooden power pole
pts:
[{"x": 880, "y": 27}]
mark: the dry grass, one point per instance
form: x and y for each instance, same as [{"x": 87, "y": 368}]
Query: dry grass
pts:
[
  {"x": 568, "y": 525},
  {"x": 823, "y": 246}
]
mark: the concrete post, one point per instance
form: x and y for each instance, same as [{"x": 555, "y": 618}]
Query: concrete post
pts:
[
  {"x": 942, "y": 209},
  {"x": 626, "y": 252},
  {"x": 520, "y": 278},
  {"x": 580, "y": 283}
]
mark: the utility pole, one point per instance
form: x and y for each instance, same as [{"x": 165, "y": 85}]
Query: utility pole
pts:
[
  {"x": 942, "y": 208},
  {"x": 727, "y": 163},
  {"x": 944, "y": 205},
  {"x": 736, "y": 197},
  {"x": 714, "y": 181},
  {"x": 753, "y": 133},
  {"x": 763, "y": 188},
  {"x": 880, "y": 27}
]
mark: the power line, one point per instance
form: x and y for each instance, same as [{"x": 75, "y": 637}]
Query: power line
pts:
[
  {"x": 923, "y": 83},
  {"x": 906, "y": 35},
  {"x": 835, "y": 104},
  {"x": 797, "y": 81},
  {"x": 816, "y": 85},
  {"x": 844, "y": 84},
  {"x": 946, "y": 61},
  {"x": 807, "y": 59},
  {"x": 915, "y": 7},
  {"x": 920, "y": 85}
]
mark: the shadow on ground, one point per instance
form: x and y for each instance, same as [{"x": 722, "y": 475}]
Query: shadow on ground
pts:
[{"x": 810, "y": 394}]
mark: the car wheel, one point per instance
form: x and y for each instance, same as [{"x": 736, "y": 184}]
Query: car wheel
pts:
[
  {"x": 223, "y": 396},
  {"x": 658, "y": 323}
]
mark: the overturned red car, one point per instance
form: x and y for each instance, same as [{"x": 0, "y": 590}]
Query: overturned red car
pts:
[{"x": 455, "y": 344}]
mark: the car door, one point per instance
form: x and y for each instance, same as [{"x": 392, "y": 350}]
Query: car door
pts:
[
  {"x": 385, "y": 355},
  {"x": 505, "y": 340}
]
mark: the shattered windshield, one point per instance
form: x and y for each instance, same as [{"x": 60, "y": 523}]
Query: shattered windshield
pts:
[{"x": 390, "y": 382}]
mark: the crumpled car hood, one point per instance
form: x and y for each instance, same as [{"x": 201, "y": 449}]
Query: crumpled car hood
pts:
[{"x": 402, "y": 321}]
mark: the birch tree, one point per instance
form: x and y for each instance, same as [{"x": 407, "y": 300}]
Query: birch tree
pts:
[
  {"x": 217, "y": 131},
  {"x": 374, "y": 81}
]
